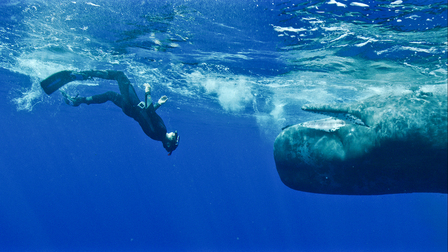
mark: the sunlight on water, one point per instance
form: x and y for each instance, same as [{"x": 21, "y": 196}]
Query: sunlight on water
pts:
[{"x": 319, "y": 57}]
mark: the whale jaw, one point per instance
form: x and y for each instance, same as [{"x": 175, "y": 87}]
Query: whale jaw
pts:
[{"x": 337, "y": 114}]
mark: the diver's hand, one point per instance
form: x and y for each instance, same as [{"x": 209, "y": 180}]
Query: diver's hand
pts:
[
  {"x": 163, "y": 99},
  {"x": 147, "y": 88}
]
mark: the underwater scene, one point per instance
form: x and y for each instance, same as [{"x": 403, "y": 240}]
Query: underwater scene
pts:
[{"x": 285, "y": 126}]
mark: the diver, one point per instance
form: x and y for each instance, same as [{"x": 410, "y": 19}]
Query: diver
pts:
[{"x": 143, "y": 112}]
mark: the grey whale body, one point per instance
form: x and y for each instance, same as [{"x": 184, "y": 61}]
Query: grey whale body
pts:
[{"x": 402, "y": 148}]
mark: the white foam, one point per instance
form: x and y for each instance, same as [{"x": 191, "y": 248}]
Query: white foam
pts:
[
  {"x": 29, "y": 97},
  {"x": 92, "y": 4},
  {"x": 233, "y": 94},
  {"x": 436, "y": 89},
  {"x": 415, "y": 49},
  {"x": 337, "y": 3},
  {"x": 289, "y": 29},
  {"x": 277, "y": 112},
  {"x": 37, "y": 70},
  {"x": 359, "y": 4}
]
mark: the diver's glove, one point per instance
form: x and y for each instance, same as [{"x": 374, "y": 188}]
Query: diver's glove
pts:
[
  {"x": 147, "y": 88},
  {"x": 162, "y": 100},
  {"x": 72, "y": 101}
]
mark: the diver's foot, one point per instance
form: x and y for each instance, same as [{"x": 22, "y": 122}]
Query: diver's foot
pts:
[{"x": 72, "y": 101}]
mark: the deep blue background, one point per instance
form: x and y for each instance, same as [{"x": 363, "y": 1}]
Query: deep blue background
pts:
[{"x": 88, "y": 179}]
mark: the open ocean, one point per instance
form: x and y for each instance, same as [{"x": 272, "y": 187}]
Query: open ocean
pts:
[{"x": 87, "y": 178}]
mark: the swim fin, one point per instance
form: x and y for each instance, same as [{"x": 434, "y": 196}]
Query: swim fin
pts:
[{"x": 56, "y": 81}]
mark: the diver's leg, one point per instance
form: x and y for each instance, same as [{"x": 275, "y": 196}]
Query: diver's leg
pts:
[
  {"x": 126, "y": 89},
  {"x": 59, "y": 79},
  {"x": 119, "y": 76},
  {"x": 84, "y": 75},
  {"x": 116, "y": 98},
  {"x": 127, "y": 101}
]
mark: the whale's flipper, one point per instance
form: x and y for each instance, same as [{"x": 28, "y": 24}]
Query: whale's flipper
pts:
[{"x": 56, "y": 81}]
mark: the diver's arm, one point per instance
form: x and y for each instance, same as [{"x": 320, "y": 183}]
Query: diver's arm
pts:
[{"x": 148, "y": 99}]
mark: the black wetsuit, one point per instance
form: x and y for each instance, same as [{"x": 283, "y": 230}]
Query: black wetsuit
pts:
[{"x": 128, "y": 101}]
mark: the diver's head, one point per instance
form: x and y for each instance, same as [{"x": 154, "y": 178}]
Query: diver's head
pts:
[{"x": 171, "y": 142}]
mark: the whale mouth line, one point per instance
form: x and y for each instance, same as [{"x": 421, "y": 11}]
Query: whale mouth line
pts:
[
  {"x": 337, "y": 120},
  {"x": 330, "y": 124}
]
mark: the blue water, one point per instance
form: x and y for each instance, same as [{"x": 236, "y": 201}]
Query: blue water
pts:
[{"x": 236, "y": 72}]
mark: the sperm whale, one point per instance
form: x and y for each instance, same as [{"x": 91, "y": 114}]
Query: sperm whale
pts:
[{"x": 380, "y": 145}]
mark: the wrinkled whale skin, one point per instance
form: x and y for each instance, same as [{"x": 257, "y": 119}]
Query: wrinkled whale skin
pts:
[{"x": 402, "y": 149}]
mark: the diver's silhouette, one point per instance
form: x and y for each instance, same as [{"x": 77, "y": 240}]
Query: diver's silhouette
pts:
[{"x": 143, "y": 112}]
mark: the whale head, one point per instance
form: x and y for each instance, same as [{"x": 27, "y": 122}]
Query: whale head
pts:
[{"x": 384, "y": 144}]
